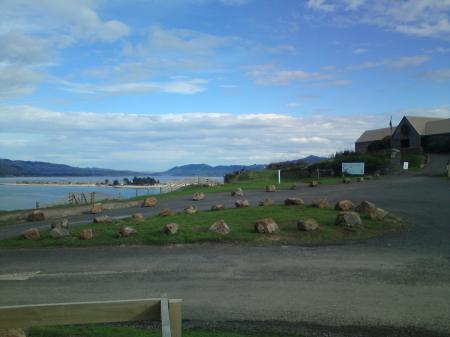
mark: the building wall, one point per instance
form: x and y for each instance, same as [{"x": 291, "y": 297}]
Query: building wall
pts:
[
  {"x": 436, "y": 143},
  {"x": 405, "y": 137},
  {"x": 362, "y": 147}
]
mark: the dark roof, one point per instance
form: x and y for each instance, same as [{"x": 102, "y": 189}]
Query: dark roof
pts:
[
  {"x": 373, "y": 135},
  {"x": 421, "y": 124},
  {"x": 438, "y": 127}
]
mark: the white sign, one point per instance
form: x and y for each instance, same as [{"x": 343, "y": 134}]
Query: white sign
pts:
[
  {"x": 405, "y": 165},
  {"x": 354, "y": 169}
]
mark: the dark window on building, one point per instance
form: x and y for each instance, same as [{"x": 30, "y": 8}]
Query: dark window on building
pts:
[{"x": 404, "y": 143}]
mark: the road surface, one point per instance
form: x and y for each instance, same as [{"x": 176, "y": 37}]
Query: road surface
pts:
[{"x": 391, "y": 286}]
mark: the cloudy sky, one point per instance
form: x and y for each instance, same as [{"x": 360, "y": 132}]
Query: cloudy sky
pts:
[{"x": 149, "y": 84}]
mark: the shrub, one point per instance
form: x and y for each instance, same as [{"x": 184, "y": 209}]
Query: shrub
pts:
[{"x": 372, "y": 162}]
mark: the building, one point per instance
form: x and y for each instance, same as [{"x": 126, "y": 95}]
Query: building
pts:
[{"x": 412, "y": 134}]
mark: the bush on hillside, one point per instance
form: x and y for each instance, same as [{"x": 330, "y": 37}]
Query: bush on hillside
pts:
[{"x": 372, "y": 162}]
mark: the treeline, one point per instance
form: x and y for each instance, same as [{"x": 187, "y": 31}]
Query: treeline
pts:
[{"x": 138, "y": 181}]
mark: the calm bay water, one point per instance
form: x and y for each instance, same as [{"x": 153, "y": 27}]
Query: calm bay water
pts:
[{"x": 14, "y": 197}]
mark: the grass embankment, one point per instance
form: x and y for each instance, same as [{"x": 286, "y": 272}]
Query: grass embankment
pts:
[
  {"x": 251, "y": 180},
  {"x": 115, "y": 331},
  {"x": 194, "y": 228}
]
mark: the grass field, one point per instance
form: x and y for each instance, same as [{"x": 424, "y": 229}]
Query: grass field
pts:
[
  {"x": 194, "y": 228},
  {"x": 117, "y": 331}
]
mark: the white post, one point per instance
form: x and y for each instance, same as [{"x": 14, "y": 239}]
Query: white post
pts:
[{"x": 279, "y": 177}]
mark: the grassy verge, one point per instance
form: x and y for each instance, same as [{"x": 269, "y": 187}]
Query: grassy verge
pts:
[
  {"x": 194, "y": 228},
  {"x": 116, "y": 331}
]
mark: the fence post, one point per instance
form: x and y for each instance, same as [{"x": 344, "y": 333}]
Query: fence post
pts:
[
  {"x": 165, "y": 318},
  {"x": 175, "y": 317}
]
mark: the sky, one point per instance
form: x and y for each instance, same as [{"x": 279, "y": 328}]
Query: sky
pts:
[{"x": 147, "y": 85}]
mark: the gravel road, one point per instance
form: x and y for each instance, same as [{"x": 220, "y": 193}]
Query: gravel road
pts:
[{"x": 391, "y": 286}]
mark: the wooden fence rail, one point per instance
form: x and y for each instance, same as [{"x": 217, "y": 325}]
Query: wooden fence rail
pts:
[{"x": 25, "y": 316}]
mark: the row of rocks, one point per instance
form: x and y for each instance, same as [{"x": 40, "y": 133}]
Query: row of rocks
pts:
[{"x": 365, "y": 207}]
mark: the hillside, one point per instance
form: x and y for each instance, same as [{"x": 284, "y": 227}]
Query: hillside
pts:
[
  {"x": 204, "y": 170},
  {"x": 20, "y": 168}
]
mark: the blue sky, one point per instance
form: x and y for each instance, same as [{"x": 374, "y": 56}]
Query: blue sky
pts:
[{"x": 150, "y": 84}]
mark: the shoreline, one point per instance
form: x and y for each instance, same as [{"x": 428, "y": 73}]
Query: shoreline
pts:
[{"x": 66, "y": 184}]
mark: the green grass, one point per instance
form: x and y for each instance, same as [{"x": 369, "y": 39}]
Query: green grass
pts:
[
  {"x": 194, "y": 229},
  {"x": 122, "y": 331},
  {"x": 415, "y": 161}
]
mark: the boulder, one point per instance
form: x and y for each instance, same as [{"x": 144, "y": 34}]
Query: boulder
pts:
[
  {"x": 293, "y": 187},
  {"x": 36, "y": 215},
  {"x": 96, "y": 208},
  {"x": 126, "y": 231},
  {"x": 266, "y": 202},
  {"x": 267, "y": 225},
  {"x": 294, "y": 201},
  {"x": 346, "y": 180},
  {"x": 137, "y": 216},
  {"x": 58, "y": 232},
  {"x": 217, "y": 207},
  {"x": 12, "y": 333},
  {"x": 103, "y": 219},
  {"x": 191, "y": 209},
  {"x": 348, "y": 219},
  {"x": 198, "y": 196},
  {"x": 220, "y": 227},
  {"x": 307, "y": 225},
  {"x": 63, "y": 223},
  {"x": 321, "y": 203},
  {"x": 314, "y": 183},
  {"x": 170, "y": 229},
  {"x": 238, "y": 192},
  {"x": 31, "y": 234},
  {"x": 365, "y": 206},
  {"x": 360, "y": 179},
  {"x": 86, "y": 234},
  {"x": 150, "y": 202},
  {"x": 242, "y": 203},
  {"x": 377, "y": 214},
  {"x": 271, "y": 188},
  {"x": 344, "y": 205},
  {"x": 166, "y": 212}
]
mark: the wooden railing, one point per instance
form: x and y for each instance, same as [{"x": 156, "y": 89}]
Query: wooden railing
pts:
[{"x": 25, "y": 316}]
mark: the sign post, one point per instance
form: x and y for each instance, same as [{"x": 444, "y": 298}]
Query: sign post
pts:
[{"x": 279, "y": 177}]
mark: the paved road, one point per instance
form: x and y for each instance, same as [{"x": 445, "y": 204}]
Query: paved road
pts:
[{"x": 402, "y": 282}]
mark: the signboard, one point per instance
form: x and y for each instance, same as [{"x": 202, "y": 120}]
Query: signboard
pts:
[
  {"x": 353, "y": 169},
  {"x": 405, "y": 165}
]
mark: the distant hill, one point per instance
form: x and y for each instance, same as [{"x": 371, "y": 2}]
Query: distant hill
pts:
[
  {"x": 308, "y": 160},
  {"x": 21, "y": 168},
  {"x": 204, "y": 170}
]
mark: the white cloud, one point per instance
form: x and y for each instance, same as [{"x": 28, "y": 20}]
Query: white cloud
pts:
[
  {"x": 154, "y": 142},
  {"x": 293, "y": 105},
  {"x": 17, "y": 80},
  {"x": 234, "y": 2},
  {"x": 322, "y": 5},
  {"x": 397, "y": 63},
  {"x": 422, "y": 18},
  {"x": 68, "y": 21},
  {"x": 359, "y": 51},
  {"x": 353, "y": 4},
  {"x": 437, "y": 74},
  {"x": 267, "y": 74},
  {"x": 186, "y": 87},
  {"x": 186, "y": 40}
]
